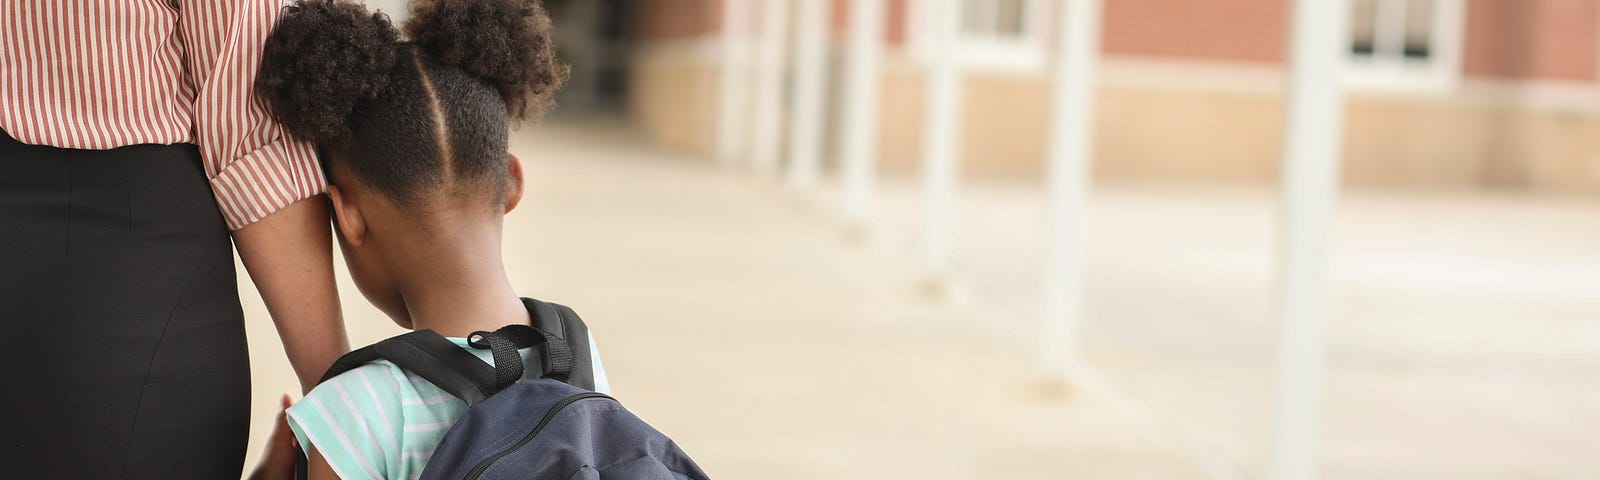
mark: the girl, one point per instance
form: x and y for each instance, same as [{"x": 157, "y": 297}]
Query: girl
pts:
[{"x": 414, "y": 137}]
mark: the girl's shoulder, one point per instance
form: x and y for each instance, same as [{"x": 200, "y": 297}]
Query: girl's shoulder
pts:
[{"x": 366, "y": 421}]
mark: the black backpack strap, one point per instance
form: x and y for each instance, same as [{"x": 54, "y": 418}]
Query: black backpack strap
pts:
[
  {"x": 568, "y": 330},
  {"x": 554, "y": 361},
  {"x": 557, "y": 329},
  {"x": 432, "y": 357}
]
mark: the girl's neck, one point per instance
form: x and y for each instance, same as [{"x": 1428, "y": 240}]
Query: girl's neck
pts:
[
  {"x": 460, "y": 309},
  {"x": 461, "y": 290}
]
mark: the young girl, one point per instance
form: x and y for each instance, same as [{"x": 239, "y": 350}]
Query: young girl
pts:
[{"x": 413, "y": 135}]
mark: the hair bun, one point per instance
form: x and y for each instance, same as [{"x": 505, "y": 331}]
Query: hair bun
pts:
[
  {"x": 323, "y": 58},
  {"x": 505, "y": 42}
]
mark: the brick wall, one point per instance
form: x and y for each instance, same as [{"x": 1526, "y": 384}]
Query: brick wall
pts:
[
  {"x": 894, "y": 33},
  {"x": 688, "y": 19},
  {"x": 1519, "y": 39},
  {"x": 1244, "y": 30},
  {"x": 677, "y": 19},
  {"x": 1522, "y": 39},
  {"x": 1544, "y": 39}
]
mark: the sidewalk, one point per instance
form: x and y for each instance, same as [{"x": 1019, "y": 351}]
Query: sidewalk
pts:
[
  {"x": 1463, "y": 333},
  {"x": 737, "y": 318}
]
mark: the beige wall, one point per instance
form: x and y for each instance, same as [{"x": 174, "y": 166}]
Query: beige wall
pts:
[
  {"x": 1474, "y": 137},
  {"x": 1139, "y": 133},
  {"x": 673, "y": 96}
]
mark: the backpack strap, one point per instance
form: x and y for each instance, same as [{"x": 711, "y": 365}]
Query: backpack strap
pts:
[
  {"x": 561, "y": 334},
  {"x": 555, "y": 356},
  {"x": 566, "y": 329},
  {"x": 432, "y": 357}
]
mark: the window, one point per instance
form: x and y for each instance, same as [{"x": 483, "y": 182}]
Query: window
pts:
[
  {"x": 1405, "y": 43},
  {"x": 993, "y": 19},
  {"x": 995, "y": 34}
]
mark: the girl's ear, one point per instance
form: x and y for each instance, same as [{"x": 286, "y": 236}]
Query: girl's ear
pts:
[
  {"x": 514, "y": 187},
  {"x": 347, "y": 216}
]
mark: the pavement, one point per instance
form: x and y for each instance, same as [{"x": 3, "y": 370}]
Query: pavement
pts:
[{"x": 739, "y": 317}]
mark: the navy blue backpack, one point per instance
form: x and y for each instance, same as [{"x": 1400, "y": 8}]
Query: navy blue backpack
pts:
[{"x": 553, "y": 427}]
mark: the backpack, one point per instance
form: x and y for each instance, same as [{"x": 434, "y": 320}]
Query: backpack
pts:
[{"x": 552, "y": 427}]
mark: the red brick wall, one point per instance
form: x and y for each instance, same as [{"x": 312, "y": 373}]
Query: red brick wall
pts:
[
  {"x": 683, "y": 19},
  {"x": 894, "y": 33},
  {"x": 1247, "y": 30},
  {"x": 1544, "y": 39},
  {"x": 677, "y": 19},
  {"x": 1523, "y": 39}
]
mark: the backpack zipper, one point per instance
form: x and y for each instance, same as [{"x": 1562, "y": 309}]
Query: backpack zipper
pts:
[{"x": 487, "y": 462}]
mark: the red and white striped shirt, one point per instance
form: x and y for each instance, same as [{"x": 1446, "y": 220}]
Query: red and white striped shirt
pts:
[{"x": 100, "y": 74}]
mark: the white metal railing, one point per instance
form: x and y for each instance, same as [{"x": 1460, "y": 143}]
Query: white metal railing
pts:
[
  {"x": 1066, "y": 179},
  {"x": 1319, "y": 37},
  {"x": 733, "y": 113},
  {"x": 941, "y": 144},
  {"x": 769, "y": 82},
  {"x": 858, "y": 126},
  {"x": 810, "y": 87},
  {"x": 1319, "y": 40}
]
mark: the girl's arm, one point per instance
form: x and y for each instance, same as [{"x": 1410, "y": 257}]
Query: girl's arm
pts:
[
  {"x": 318, "y": 468},
  {"x": 278, "y": 461},
  {"x": 289, "y": 255}
]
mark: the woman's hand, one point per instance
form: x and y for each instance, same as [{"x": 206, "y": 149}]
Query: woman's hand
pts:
[{"x": 278, "y": 461}]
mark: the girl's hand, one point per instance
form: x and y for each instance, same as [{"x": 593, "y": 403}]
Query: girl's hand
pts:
[{"x": 278, "y": 462}]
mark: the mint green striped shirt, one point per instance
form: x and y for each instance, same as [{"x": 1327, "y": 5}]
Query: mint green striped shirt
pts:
[{"x": 381, "y": 422}]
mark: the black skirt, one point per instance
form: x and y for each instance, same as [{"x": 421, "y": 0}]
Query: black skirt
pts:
[{"x": 123, "y": 346}]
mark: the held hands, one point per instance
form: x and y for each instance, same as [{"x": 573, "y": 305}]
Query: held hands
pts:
[{"x": 278, "y": 461}]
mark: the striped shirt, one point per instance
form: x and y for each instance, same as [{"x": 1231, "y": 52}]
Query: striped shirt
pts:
[
  {"x": 100, "y": 74},
  {"x": 381, "y": 422}
]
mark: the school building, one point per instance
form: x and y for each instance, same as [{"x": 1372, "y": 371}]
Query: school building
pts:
[{"x": 1441, "y": 93}]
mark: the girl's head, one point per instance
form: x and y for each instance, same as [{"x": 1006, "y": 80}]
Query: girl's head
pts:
[
  {"x": 419, "y": 120},
  {"x": 412, "y": 133}
]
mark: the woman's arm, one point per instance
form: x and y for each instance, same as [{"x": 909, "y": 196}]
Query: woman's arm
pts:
[
  {"x": 289, "y": 255},
  {"x": 267, "y": 184}
]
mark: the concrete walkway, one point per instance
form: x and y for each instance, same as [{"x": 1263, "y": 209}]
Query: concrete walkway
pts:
[
  {"x": 738, "y": 318},
  {"x": 1464, "y": 331}
]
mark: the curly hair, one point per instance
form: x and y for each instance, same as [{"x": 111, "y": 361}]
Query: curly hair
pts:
[
  {"x": 411, "y": 118},
  {"x": 322, "y": 59},
  {"x": 504, "y": 41}
]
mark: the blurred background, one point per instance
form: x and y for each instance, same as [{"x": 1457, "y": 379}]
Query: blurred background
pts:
[{"x": 813, "y": 237}]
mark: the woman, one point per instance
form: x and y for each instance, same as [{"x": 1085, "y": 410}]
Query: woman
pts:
[{"x": 130, "y": 151}]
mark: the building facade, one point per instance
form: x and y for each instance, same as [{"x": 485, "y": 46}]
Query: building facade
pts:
[{"x": 1442, "y": 93}]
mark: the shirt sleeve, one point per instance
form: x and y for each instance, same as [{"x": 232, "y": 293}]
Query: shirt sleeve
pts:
[
  {"x": 353, "y": 421},
  {"x": 255, "y": 167},
  {"x": 602, "y": 383}
]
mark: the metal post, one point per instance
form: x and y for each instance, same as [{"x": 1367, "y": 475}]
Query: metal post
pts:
[
  {"x": 941, "y": 132},
  {"x": 1311, "y": 148},
  {"x": 768, "y": 135},
  {"x": 734, "y": 88},
  {"x": 858, "y": 130},
  {"x": 1071, "y": 150},
  {"x": 810, "y": 83}
]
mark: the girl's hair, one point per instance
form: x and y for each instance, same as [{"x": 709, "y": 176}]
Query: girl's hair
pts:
[{"x": 416, "y": 118}]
